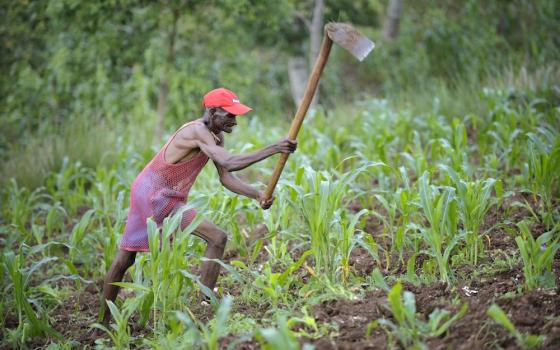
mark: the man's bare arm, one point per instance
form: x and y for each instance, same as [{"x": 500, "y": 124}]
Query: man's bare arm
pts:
[
  {"x": 205, "y": 142},
  {"x": 235, "y": 185}
]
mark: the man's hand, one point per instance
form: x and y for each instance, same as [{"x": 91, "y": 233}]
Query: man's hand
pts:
[
  {"x": 286, "y": 145},
  {"x": 265, "y": 204}
]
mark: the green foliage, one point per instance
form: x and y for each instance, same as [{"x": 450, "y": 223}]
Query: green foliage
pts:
[
  {"x": 410, "y": 178},
  {"x": 30, "y": 323},
  {"x": 278, "y": 338},
  {"x": 319, "y": 199},
  {"x": 442, "y": 235},
  {"x": 187, "y": 332},
  {"x": 425, "y": 203},
  {"x": 474, "y": 199},
  {"x": 211, "y": 334},
  {"x": 276, "y": 285},
  {"x": 119, "y": 332},
  {"x": 542, "y": 172},
  {"x": 525, "y": 341},
  {"x": 166, "y": 270},
  {"x": 408, "y": 330},
  {"x": 538, "y": 256}
]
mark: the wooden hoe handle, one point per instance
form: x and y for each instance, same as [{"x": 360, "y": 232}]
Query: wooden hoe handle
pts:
[{"x": 312, "y": 83}]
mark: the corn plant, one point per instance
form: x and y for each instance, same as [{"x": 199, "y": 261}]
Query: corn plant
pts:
[
  {"x": 19, "y": 205},
  {"x": 474, "y": 199},
  {"x": 276, "y": 285},
  {"x": 506, "y": 147},
  {"x": 281, "y": 338},
  {"x": 525, "y": 341},
  {"x": 366, "y": 241},
  {"x": 347, "y": 240},
  {"x": 441, "y": 236},
  {"x": 112, "y": 231},
  {"x": 456, "y": 148},
  {"x": 105, "y": 194},
  {"x": 542, "y": 172},
  {"x": 280, "y": 215},
  {"x": 408, "y": 330},
  {"x": 78, "y": 232},
  {"x": 417, "y": 157},
  {"x": 378, "y": 280},
  {"x": 389, "y": 229},
  {"x": 182, "y": 333},
  {"x": 319, "y": 199},
  {"x": 277, "y": 250},
  {"x": 399, "y": 209},
  {"x": 217, "y": 328},
  {"x": 69, "y": 185},
  {"x": 538, "y": 256},
  {"x": 186, "y": 332},
  {"x": 161, "y": 279},
  {"x": 167, "y": 259},
  {"x": 55, "y": 219},
  {"x": 223, "y": 207},
  {"x": 30, "y": 324},
  {"x": 120, "y": 332}
]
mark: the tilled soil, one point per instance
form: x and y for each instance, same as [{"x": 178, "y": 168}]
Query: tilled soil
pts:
[
  {"x": 537, "y": 312},
  {"x": 534, "y": 312}
]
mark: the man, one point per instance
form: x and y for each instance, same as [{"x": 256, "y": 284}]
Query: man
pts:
[{"x": 163, "y": 186}]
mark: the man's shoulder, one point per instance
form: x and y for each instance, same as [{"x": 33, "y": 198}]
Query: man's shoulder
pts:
[
  {"x": 194, "y": 130},
  {"x": 198, "y": 131}
]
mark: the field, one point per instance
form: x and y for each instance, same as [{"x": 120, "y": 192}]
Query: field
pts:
[
  {"x": 420, "y": 210},
  {"x": 391, "y": 228}
]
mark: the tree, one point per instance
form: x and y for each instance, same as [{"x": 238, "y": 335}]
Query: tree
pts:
[{"x": 392, "y": 21}]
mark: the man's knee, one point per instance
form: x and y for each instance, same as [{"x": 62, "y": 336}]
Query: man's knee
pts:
[
  {"x": 219, "y": 238},
  {"x": 126, "y": 259}
]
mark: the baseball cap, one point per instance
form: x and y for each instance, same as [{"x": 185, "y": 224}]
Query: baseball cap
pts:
[{"x": 225, "y": 99}]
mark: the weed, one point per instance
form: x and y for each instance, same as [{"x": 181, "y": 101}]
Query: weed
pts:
[{"x": 525, "y": 341}]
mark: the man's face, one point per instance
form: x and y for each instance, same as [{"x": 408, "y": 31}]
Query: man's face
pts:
[{"x": 224, "y": 120}]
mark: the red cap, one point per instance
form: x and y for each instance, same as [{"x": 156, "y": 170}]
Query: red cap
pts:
[{"x": 225, "y": 99}]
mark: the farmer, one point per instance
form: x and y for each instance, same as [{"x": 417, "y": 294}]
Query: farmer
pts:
[{"x": 163, "y": 186}]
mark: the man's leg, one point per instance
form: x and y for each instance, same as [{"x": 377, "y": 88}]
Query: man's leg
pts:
[
  {"x": 122, "y": 262},
  {"x": 216, "y": 239}
]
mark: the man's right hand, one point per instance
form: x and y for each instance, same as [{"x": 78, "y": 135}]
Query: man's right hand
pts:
[
  {"x": 265, "y": 203},
  {"x": 286, "y": 145}
]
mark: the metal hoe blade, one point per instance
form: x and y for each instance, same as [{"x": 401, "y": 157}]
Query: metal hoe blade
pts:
[{"x": 349, "y": 38}]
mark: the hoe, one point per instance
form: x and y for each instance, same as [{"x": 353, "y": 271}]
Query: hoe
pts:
[{"x": 349, "y": 38}]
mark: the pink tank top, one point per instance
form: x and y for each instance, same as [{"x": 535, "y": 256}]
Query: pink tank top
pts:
[{"x": 160, "y": 188}]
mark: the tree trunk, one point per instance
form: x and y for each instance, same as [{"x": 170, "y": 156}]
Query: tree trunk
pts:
[
  {"x": 297, "y": 74},
  {"x": 163, "y": 85},
  {"x": 315, "y": 38},
  {"x": 392, "y": 22}
]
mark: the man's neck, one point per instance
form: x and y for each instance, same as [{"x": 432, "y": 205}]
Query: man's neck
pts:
[
  {"x": 211, "y": 128},
  {"x": 210, "y": 125}
]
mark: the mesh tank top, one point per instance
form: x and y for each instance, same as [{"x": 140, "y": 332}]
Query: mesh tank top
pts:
[{"x": 160, "y": 188}]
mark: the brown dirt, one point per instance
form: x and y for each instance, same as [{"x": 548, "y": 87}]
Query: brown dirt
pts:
[
  {"x": 351, "y": 318},
  {"x": 531, "y": 313},
  {"x": 535, "y": 312}
]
